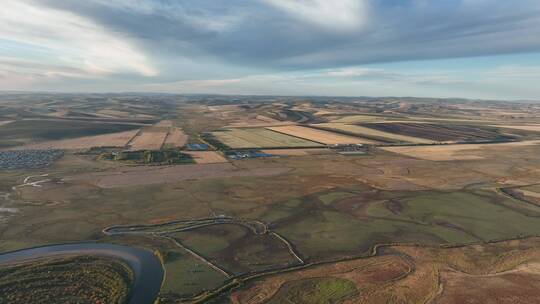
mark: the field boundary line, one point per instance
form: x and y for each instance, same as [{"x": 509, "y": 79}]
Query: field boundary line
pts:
[
  {"x": 197, "y": 256},
  {"x": 280, "y": 132},
  {"x": 131, "y": 140},
  {"x": 374, "y": 251},
  {"x": 289, "y": 246}
]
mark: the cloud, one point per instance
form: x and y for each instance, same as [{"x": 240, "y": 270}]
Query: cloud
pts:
[
  {"x": 341, "y": 15},
  {"x": 358, "y": 72},
  {"x": 205, "y": 19},
  {"x": 70, "y": 40},
  {"x": 314, "y": 34},
  {"x": 225, "y": 44},
  {"x": 515, "y": 71}
]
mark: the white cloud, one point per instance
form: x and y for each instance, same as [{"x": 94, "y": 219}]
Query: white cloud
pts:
[
  {"x": 341, "y": 15},
  {"x": 515, "y": 71},
  {"x": 179, "y": 11},
  {"x": 356, "y": 72},
  {"x": 73, "y": 41}
]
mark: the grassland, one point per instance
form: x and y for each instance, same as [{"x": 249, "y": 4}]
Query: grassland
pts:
[
  {"x": 530, "y": 194},
  {"x": 340, "y": 223},
  {"x": 315, "y": 291},
  {"x": 328, "y": 207},
  {"x": 237, "y": 249},
  {"x": 320, "y": 136},
  {"x": 259, "y": 138},
  {"x": 187, "y": 276},
  {"x": 130, "y": 177},
  {"x": 504, "y": 272},
  {"x": 77, "y": 279}
]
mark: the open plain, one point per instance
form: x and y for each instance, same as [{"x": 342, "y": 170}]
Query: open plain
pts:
[{"x": 278, "y": 201}]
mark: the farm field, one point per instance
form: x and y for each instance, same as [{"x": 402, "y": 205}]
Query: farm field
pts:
[
  {"x": 320, "y": 136},
  {"x": 176, "y": 138},
  {"x": 30, "y": 131},
  {"x": 373, "y": 133},
  {"x": 296, "y": 152},
  {"x": 113, "y": 113},
  {"x": 259, "y": 138},
  {"x": 257, "y": 121},
  {"x": 534, "y": 128},
  {"x": 456, "y": 152},
  {"x": 151, "y": 138},
  {"x": 207, "y": 157},
  {"x": 440, "y": 132},
  {"x": 119, "y": 139},
  {"x": 352, "y": 119}
]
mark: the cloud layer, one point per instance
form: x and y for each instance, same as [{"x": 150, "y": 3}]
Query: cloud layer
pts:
[
  {"x": 78, "y": 45},
  {"x": 166, "y": 41}
]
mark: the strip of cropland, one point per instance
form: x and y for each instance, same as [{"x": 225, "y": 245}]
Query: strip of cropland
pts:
[
  {"x": 34, "y": 131},
  {"x": 455, "y": 152},
  {"x": 259, "y": 138},
  {"x": 119, "y": 139},
  {"x": 440, "y": 132},
  {"x": 320, "y": 136},
  {"x": 176, "y": 138},
  {"x": 151, "y": 138},
  {"x": 297, "y": 152},
  {"x": 373, "y": 133},
  {"x": 535, "y": 128},
  {"x": 207, "y": 157}
]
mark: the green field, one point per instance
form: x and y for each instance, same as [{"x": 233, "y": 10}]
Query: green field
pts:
[
  {"x": 81, "y": 279},
  {"x": 236, "y": 248},
  {"x": 187, "y": 276},
  {"x": 259, "y": 138},
  {"x": 353, "y": 224},
  {"x": 315, "y": 291},
  {"x": 184, "y": 275}
]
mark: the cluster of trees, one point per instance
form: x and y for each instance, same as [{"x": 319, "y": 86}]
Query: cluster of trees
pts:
[{"x": 82, "y": 279}]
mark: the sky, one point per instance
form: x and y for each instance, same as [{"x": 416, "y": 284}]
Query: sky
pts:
[{"x": 487, "y": 49}]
